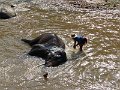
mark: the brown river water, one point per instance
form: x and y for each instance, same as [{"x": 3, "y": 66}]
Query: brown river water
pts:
[{"x": 96, "y": 68}]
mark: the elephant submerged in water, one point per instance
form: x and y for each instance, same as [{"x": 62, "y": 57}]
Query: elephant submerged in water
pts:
[{"x": 49, "y": 47}]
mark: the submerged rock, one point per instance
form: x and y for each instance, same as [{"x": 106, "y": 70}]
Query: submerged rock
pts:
[{"x": 7, "y": 11}]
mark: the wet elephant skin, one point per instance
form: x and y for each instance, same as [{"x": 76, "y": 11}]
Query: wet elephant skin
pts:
[{"x": 49, "y": 47}]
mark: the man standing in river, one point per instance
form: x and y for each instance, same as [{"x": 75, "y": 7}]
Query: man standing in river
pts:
[{"x": 78, "y": 40}]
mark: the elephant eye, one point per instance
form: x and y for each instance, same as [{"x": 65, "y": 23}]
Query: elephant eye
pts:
[{"x": 49, "y": 57}]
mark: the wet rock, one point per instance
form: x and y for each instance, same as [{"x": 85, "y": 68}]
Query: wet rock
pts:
[
  {"x": 95, "y": 1},
  {"x": 7, "y": 11}
]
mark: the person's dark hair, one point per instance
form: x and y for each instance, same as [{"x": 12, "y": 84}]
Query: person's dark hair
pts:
[{"x": 72, "y": 35}]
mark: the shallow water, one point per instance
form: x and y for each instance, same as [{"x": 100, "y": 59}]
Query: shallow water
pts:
[{"x": 96, "y": 68}]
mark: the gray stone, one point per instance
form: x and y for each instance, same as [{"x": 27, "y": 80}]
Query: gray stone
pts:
[{"x": 7, "y": 11}]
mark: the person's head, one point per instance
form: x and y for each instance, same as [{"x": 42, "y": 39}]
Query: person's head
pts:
[{"x": 72, "y": 35}]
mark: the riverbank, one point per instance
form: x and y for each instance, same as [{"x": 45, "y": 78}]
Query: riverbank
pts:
[
  {"x": 88, "y": 4},
  {"x": 95, "y": 4}
]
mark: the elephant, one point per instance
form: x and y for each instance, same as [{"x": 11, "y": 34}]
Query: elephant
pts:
[{"x": 49, "y": 47}]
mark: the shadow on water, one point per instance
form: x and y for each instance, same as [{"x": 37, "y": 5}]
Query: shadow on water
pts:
[{"x": 78, "y": 55}]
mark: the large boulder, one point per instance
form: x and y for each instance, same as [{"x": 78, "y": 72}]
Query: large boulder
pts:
[{"x": 7, "y": 11}]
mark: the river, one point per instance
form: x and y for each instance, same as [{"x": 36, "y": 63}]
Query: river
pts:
[{"x": 96, "y": 68}]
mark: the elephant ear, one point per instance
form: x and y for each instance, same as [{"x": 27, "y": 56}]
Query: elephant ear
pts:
[{"x": 39, "y": 50}]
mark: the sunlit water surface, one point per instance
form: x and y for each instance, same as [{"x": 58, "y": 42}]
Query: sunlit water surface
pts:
[{"x": 96, "y": 68}]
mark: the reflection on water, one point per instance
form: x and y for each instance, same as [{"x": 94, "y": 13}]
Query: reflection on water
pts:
[{"x": 97, "y": 68}]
